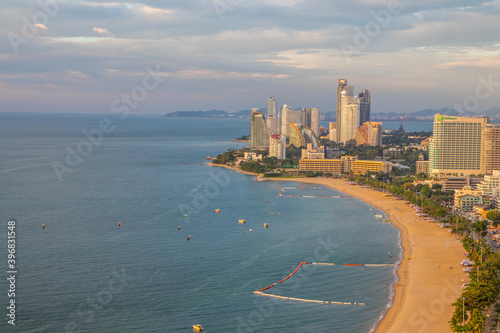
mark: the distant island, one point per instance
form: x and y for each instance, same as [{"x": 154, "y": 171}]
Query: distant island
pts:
[
  {"x": 209, "y": 114},
  {"x": 422, "y": 115}
]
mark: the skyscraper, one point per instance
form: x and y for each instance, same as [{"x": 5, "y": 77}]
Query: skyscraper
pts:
[
  {"x": 259, "y": 133},
  {"x": 289, "y": 116},
  {"x": 342, "y": 83},
  {"x": 271, "y": 107},
  {"x": 455, "y": 148},
  {"x": 277, "y": 146},
  {"x": 490, "y": 160},
  {"x": 311, "y": 118},
  {"x": 349, "y": 116},
  {"x": 364, "y": 106}
]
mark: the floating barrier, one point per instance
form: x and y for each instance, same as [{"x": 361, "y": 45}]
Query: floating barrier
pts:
[
  {"x": 307, "y": 300},
  {"x": 260, "y": 291}
]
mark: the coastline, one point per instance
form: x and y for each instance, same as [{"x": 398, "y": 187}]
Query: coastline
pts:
[{"x": 429, "y": 276}]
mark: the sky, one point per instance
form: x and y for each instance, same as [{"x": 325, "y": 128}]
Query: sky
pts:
[{"x": 156, "y": 57}]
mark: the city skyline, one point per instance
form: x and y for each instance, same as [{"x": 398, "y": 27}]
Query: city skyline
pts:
[{"x": 86, "y": 56}]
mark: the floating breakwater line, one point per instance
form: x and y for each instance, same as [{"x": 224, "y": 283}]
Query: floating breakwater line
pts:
[{"x": 260, "y": 291}]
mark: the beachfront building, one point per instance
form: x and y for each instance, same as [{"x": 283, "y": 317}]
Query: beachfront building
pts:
[
  {"x": 346, "y": 164},
  {"x": 259, "y": 132},
  {"x": 369, "y": 134},
  {"x": 466, "y": 198},
  {"x": 495, "y": 198},
  {"x": 455, "y": 149},
  {"x": 363, "y": 167},
  {"x": 277, "y": 146},
  {"x": 490, "y": 160}
]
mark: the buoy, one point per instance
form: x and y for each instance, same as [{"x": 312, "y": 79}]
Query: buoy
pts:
[
  {"x": 43, "y": 226},
  {"x": 189, "y": 237},
  {"x": 250, "y": 230},
  {"x": 266, "y": 201},
  {"x": 119, "y": 224}
]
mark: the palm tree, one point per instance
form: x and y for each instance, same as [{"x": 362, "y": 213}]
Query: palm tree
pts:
[{"x": 476, "y": 322}]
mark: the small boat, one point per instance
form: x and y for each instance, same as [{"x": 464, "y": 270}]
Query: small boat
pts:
[
  {"x": 184, "y": 216},
  {"x": 119, "y": 224},
  {"x": 385, "y": 220},
  {"x": 266, "y": 225},
  {"x": 178, "y": 227},
  {"x": 189, "y": 237},
  {"x": 197, "y": 328},
  {"x": 242, "y": 221},
  {"x": 378, "y": 216},
  {"x": 250, "y": 230},
  {"x": 43, "y": 226},
  {"x": 217, "y": 210}
]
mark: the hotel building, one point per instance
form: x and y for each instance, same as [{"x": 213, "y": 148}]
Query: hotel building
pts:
[
  {"x": 455, "y": 148},
  {"x": 259, "y": 132}
]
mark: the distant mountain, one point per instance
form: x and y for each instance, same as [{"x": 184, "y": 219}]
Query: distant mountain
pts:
[
  {"x": 430, "y": 112},
  {"x": 209, "y": 114},
  {"x": 493, "y": 112},
  {"x": 198, "y": 114}
]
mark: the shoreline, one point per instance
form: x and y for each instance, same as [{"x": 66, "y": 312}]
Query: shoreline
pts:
[{"x": 429, "y": 275}]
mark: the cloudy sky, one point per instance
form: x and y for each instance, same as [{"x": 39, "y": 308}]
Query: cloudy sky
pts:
[{"x": 81, "y": 56}]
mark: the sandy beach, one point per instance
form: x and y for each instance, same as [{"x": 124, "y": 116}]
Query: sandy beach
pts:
[{"x": 430, "y": 275}]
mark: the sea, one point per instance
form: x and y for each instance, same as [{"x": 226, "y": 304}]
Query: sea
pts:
[{"x": 102, "y": 208}]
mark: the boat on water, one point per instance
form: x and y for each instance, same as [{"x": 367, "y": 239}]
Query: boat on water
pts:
[
  {"x": 242, "y": 221},
  {"x": 188, "y": 237},
  {"x": 378, "y": 216},
  {"x": 217, "y": 210},
  {"x": 385, "y": 220},
  {"x": 184, "y": 216},
  {"x": 266, "y": 225},
  {"x": 197, "y": 328}
]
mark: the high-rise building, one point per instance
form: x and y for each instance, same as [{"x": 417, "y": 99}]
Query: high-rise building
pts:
[
  {"x": 289, "y": 116},
  {"x": 342, "y": 83},
  {"x": 333, "y": 132},
  {"x": 311, "y": 117},
  {"x": 271, "y": 107},
  {"x": 259, "y": 132},
  {"x": 364, "y": 106},
  {"x": 455, "y": 148},
  {"x": 369, "y": 134},
  {"x": 273, "y": 124},
  {"x": 491, "y": 149},
  {"x": 349, "y": 117},
  {"x": 277, "y": 146}
]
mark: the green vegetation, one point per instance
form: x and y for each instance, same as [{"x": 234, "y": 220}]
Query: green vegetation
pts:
[
  {"x": 244, "y": 138},
  {"x": 227, "y": 157}
]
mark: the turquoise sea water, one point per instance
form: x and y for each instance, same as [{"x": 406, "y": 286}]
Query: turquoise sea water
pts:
[{"x": 84, "y": 273}]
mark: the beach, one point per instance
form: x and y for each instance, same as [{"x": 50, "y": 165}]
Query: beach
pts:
[{"x": 430, "y": 277}]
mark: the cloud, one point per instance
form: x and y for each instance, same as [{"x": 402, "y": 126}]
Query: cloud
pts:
[
  {"x": 100, "y": 30},
  {"x": 41, "y": 26},
  {"x": 76, "y": 74}
]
